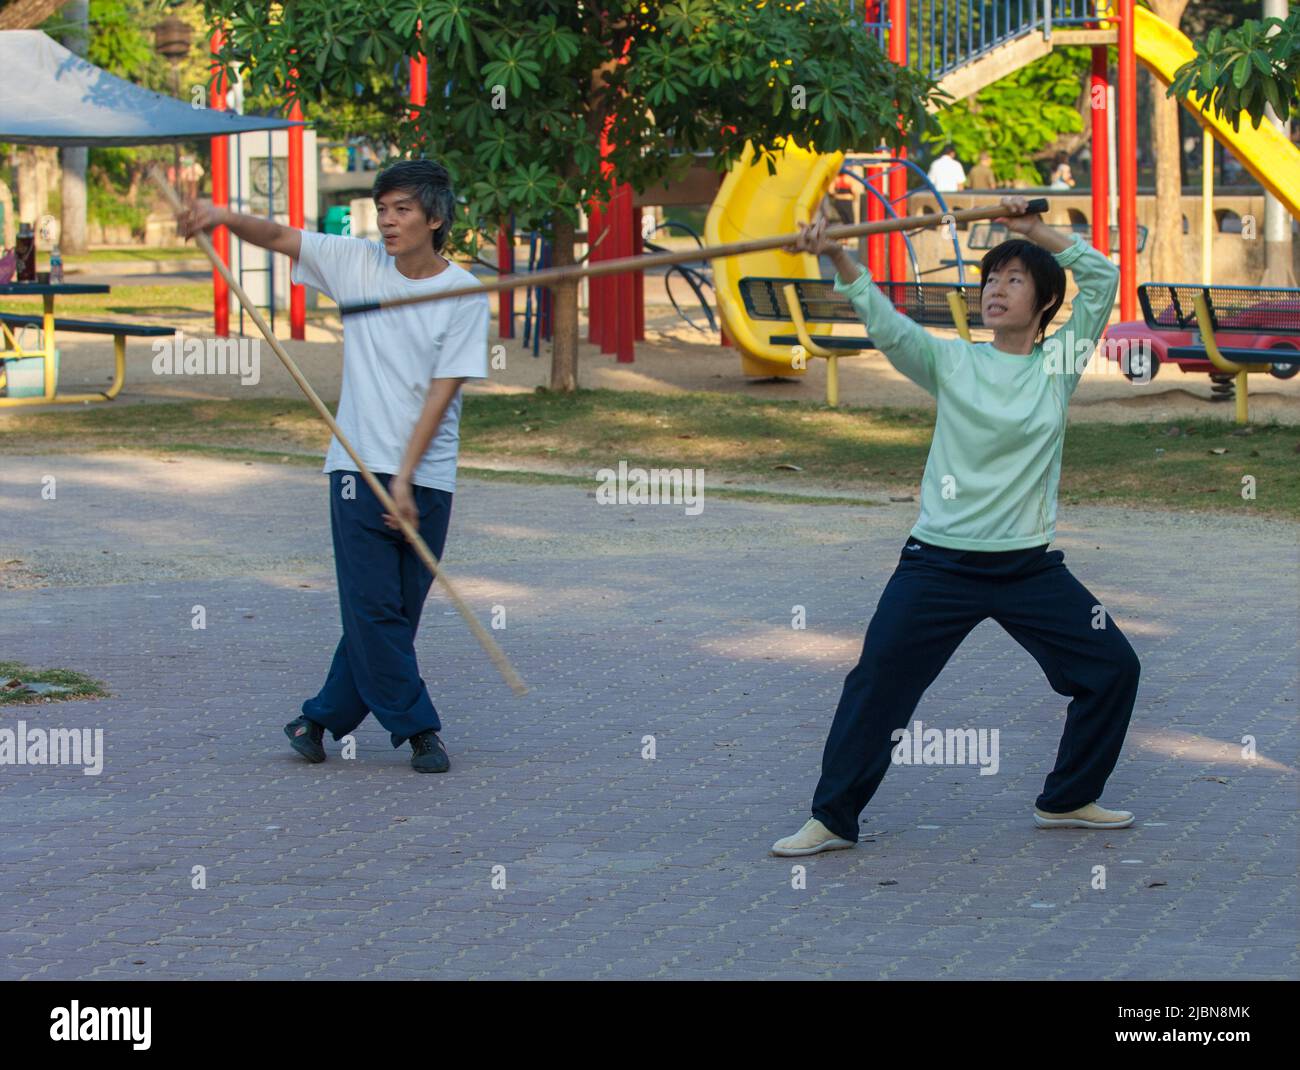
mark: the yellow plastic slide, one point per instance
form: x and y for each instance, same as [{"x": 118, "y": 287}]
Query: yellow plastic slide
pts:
[
  {"x": 1265, "y": 153},
  {"x": 753, "y": 204}
]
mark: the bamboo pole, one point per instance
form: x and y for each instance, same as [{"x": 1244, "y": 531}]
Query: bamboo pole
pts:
[{"x": 551, "y": 276}]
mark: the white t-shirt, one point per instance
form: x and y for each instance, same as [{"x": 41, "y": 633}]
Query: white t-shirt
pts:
[
  {"x": 390, "y": 355},
  {"x": 947, "y": 174}
]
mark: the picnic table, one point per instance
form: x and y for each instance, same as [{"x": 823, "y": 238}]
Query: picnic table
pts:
[{"x": 49, "y": 324}]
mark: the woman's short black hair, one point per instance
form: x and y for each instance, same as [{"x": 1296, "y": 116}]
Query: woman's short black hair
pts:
[
  {"x": 431, "y": 185},
  {"x": 1048, "y": 275}
]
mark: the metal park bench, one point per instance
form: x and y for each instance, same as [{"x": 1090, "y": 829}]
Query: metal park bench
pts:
[
  {"x": 809, "y": 303},
  {"x": 119, "y": 331}
]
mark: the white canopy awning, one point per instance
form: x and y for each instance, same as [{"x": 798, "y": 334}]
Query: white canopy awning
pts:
[{"x": 50, "y": 96}]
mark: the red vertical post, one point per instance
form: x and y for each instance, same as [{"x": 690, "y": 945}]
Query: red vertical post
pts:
[
  {"x": 625, "y": 340},
  {"x": 220, "y": 196},
  {"x": 297, "y": 219},
  {"x": 875, "y": 208},
  {"x": 612, "y": 245},
  {"x": 876, "y": 213},
  {"x": 419, "y": 93},
  {"x": 506, "y": 266},
  {"x": 1097, "y": 98},
  {"x": 898, "y": 175},
  {"x": 1126, "y": 120},
  {"x": 617, "y": 291}
]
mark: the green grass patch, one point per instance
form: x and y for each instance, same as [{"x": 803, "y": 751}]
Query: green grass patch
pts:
[
  {"x": 82, "y": 686},
  {"x": 163, "y": 300},
  {"x": 844, "y": 450},
  {"x": 142, "y": 254}
]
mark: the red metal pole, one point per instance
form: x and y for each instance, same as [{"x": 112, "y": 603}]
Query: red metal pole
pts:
[
  {"x": 1098, "y": 85},
  {"x": 626, "y": 338},
  {"x": 1126, "y": 105},
  {"x": 297, "y": 219},
  {"x": 898, "y": 176},
  {"x": 875, "y": 208},
  {"x": 506, "y": 266},
  {"x": 220, "y": 197},
  {"x": 875, "y": 213},
  {"x": 613, "y": 246},
  {"x": 419, "y": 93}
]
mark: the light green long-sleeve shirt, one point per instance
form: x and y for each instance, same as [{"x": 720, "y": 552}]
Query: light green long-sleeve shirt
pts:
[{"x": 994, "y": 467}]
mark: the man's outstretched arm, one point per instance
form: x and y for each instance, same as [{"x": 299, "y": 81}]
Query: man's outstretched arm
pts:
[{"x": 266, "y": 233}]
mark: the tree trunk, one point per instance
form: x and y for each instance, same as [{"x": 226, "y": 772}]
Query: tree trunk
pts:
[
  {"x": 27, "y": 14},
  {"x": 9, "y": 232},
  {"x": 47, "y": 174},
  {"x": 26, "y": 166},
  {"x": 1167, "y": 232},
  {"x": 72, "y": 236},
  {"x": 564, "y": 321},
  {"x": 1278, "y": 270}
]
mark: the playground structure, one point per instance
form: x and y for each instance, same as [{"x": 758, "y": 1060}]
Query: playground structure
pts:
[
  {"x": 1181, "y": 324},
  {"x": 964, "y": 58},
  {"x": 964, "y": 46}
]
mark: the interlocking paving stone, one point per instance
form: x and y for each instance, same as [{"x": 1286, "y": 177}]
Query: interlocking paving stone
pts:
[{"x": 627, "y": 622}]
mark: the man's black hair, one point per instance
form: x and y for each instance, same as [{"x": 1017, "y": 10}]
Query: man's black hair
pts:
[
  {"x": 1048, "y": 275},
  {"x": 430, "y": 183},
  {"x": 950, "y": 147}
]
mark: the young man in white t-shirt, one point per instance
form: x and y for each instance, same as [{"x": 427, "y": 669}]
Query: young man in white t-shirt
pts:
[
  {"x": 399, "y": 406},
  {"x": 946, "y": 172}
]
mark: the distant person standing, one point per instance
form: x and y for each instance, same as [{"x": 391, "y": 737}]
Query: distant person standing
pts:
[
  {"x": 946, "y": 172},
  {"x": 1061, "y": 178},
  {"x": 842, "y": 197},
  {"x": 981, "y": 175},
  {"x": 191, "y": 176}
]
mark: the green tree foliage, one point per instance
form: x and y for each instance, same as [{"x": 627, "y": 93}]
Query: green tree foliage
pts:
[
  {"x": 1019, "y": 115},
  {"x": 120, "y": 41},
  {"x": 522, "y": 90},
  {"x": 1242, "y": 69},
  {"x": 518, "y": 97}
]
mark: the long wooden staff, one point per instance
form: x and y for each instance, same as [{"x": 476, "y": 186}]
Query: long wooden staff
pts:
[
  {"x": 486, "y": 641},
  {"x": 550, "y": 276}
]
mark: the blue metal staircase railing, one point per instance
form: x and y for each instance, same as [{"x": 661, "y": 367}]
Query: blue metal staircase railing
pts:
[{"x": 944, "y": 35}]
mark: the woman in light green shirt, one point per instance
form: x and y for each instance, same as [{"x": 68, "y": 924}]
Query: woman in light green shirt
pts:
[{"x": 979, "y": 548}]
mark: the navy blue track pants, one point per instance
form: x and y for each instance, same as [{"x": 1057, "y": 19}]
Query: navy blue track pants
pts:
[
  {"x": 930, "y": 604},
  {"x": 382, "y": 587}
]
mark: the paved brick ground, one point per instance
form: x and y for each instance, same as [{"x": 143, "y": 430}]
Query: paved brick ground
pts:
[{"x": 627, "y": 622}]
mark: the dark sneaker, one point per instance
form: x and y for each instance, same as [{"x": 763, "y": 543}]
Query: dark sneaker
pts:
[
  {"x": 428, "y": 754},
  {"x": 305, "y": 737}
]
